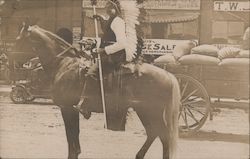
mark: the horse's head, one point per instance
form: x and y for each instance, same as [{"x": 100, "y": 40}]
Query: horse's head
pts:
[
  {"x": 35, "y": 36},
  {"x": 48, "y": 46}
]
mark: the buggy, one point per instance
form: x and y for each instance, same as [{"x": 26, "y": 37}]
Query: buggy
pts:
[{"x": 28, "y": 78}]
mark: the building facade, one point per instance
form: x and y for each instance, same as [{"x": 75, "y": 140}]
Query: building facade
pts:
[
  {"x": 52, "y": 15},
  {"x": 224, "y": 21},
  {"x": 208, "y": 21}
]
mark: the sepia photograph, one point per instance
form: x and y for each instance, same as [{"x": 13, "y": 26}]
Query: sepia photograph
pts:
[{"x": 124, "y": 79}]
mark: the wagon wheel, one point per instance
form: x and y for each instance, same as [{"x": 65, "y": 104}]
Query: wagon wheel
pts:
[
  {"x": 18, "y": 95},
  {"x": 195, "y": 103}
]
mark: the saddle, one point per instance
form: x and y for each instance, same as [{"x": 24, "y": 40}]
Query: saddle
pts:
[{"x": 113, "y": 88}]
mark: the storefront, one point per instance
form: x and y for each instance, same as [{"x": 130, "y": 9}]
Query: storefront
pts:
[
  {"x": 224, "y": 21},
  {"x": 166, "y": 23}
]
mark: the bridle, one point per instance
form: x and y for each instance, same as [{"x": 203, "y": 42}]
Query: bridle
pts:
[{"x": 61, "y": 54}]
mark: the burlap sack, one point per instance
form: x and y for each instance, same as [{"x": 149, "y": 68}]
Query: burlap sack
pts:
[
  {"x": 166, "y": 59},
  {"x": 183, "y": 49},
  {"x": 243, "y": 54},
  {"x": 195, "y": 59},
  {"x": 208, "y": 50},
  {"x": 235, "y": 62},
  {"x": 228, "y": 52}
]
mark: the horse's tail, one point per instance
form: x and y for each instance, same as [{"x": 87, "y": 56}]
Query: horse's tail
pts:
[{"x": 170, "y": 116}]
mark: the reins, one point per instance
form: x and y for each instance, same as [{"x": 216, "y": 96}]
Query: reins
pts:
[{"x": 64, "y": 51}]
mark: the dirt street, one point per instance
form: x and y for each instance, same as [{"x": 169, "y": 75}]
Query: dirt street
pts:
[{"x": 37, "y": 131}]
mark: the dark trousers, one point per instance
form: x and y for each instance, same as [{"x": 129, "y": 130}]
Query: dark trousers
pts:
[{"x": 109, "y": 63}]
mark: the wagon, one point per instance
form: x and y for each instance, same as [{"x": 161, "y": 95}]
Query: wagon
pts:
[{"x": 200, "y": 83}]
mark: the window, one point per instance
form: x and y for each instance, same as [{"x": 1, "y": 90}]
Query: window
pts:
[
  {"x": 183, "y": 31},
  {"x": 176, "y": 31},
  {"x": 227, "y": 31},
  {"x": 158, "y": 30}
]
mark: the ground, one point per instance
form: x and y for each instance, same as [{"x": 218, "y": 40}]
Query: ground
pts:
[{"x": 37, "y": 131}]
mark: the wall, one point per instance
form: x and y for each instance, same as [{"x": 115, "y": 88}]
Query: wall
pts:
[
  {"x": 222, "y": 12},
  {"x": 49, "y": 14}
]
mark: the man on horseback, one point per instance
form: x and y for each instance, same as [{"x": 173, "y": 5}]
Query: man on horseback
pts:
[
  {"x": 114, "y": 49},
  {"x": 113, "y": 41}
]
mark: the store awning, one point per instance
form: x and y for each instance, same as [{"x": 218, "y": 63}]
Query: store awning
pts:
[
  {"x": 160, "y": 16},
  {"x": 170, "y": 18}
]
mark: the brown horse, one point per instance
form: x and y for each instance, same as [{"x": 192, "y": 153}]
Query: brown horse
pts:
[{"x": 152, "y": 92}]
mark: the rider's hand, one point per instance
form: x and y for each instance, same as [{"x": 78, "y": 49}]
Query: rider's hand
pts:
[
  {"x": 100, "y": 50},
  {"x": 98, "y": 17}
]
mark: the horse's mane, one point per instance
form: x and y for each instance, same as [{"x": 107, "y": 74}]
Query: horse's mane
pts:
[{"x": 52, "y": 40}]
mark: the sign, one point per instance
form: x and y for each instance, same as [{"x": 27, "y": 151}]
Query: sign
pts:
[
  {"x": 156, "y": 4},
  {"x": 76, "y": 33},
  {"x": 243, "y": 6},
  {"x": 6, "y": 45},
  {"x": 172, "y": 4},
  {"x": 76, "y": 36},
  {"x": 160, "y": 46}
]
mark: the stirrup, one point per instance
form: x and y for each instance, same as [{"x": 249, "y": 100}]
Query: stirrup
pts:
[{"x": 86, "y": 114}]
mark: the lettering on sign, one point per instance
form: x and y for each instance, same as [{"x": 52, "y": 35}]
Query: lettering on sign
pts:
[
  {"x": 232, "y": 6},
  {"x": 160, "y": 46},
  {"x": 76, "y": 33},
  {"x": 156, "y": 4}
]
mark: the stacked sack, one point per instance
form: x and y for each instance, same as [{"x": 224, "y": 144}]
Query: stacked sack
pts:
[
  {"x": 201, "y": 55},
  {"x": 189, "y": 54},
  {"x": 178, "y": 52},
  {"x": 233, "y": 57}
]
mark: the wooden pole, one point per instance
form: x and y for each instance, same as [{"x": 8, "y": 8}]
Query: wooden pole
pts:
[{"x": 100, "y": 72}]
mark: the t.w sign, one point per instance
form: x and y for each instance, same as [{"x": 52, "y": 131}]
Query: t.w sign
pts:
[{"x": 243, "y": 6}]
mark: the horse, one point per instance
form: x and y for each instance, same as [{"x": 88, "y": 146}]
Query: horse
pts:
[{"x": 151, "y": 91}]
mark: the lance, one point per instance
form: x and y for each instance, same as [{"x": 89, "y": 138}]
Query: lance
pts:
[{"x": 93, "y": 2}]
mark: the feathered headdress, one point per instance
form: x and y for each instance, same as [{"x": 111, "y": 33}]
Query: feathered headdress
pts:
[{"x": 130, "y": 12}]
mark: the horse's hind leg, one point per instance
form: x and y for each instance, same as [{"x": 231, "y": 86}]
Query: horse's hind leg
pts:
[
  {"x": 145, "y": 147},
  {"x": 71, "y": 121},
  {"x": 165, "y": 146},
  {"x": 151, "y": 135}
]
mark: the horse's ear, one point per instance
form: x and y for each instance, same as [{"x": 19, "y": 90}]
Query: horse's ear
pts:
[
  {"x": 27, "y": 22},
  {"x": 25, "y": 25}
]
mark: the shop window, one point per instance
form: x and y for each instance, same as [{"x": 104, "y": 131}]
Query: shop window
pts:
[
  {"x": 158, "y": 30},
  {"x": 227, "y": 31},
  {"x": 146, "y": 29},
  {"x": 183, "y": 31}
]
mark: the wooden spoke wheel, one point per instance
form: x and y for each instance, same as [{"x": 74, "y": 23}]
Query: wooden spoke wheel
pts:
[{"x": 195, "y": 103}]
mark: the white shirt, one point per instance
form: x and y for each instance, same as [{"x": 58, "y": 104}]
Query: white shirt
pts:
[{"x": 118, "y": 27}]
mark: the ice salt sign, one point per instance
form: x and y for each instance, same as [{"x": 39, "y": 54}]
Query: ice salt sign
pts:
[
  {"x": 243, "y": 6},
  {"x": 160, "y": 46}
]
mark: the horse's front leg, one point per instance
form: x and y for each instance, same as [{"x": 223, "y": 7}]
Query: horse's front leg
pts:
[{"x": 71, "y": 121}]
